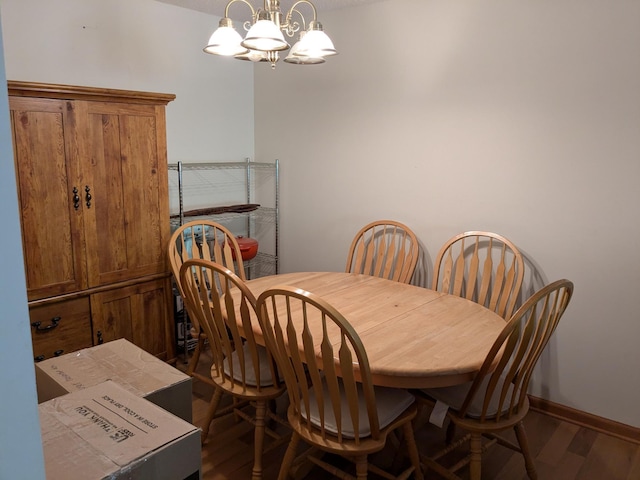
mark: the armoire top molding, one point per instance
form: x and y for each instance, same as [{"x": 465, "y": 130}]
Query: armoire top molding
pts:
[{"x": 72, "y": 92}]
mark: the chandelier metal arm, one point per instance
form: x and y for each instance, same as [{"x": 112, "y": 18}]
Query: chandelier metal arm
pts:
[
  {"x": 291, "y": 27},
  {"x": 254, "y": 14},
  {"x": 293, "y": 8}
]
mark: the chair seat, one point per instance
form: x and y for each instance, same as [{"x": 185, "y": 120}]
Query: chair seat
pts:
[
  {"x": 390, "y": 403},
  {"x": 250, "y": 375}
]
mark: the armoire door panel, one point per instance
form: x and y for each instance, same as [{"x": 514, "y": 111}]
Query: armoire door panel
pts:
[
  {"x": 141, "y": 180},
  {"x": 105, "y": 222},
  {"x": 137, "y": 313},
  {"x": 126, "y": 186},
  {"x": 46, "y": 156}
]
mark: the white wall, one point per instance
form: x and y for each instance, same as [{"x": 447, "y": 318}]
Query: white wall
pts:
[
  {"x": 139, "y": 45},
  {"x": 517, "y": 117},
  {"x": 20, "y": 442}
]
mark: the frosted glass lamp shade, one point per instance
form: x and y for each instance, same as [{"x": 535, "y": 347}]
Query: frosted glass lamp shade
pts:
[
  {"x": 297, "y": 59},
  {"x": 225, "y": 41},
  {"x": 315, "y": 44},
  {"x": 265, "y": 35}
]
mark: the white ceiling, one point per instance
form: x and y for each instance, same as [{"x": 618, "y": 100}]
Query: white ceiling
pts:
[{"x": 216, "y": 7}]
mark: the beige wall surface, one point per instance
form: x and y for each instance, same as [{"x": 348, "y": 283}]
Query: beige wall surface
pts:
[{"x": 518, "y": 117}]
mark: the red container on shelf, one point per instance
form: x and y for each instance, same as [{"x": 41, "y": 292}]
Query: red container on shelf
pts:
[{"x": 248, "y": 247}]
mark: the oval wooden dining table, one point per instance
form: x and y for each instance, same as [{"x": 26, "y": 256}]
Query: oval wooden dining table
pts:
[{"x": 414, "y": 337}]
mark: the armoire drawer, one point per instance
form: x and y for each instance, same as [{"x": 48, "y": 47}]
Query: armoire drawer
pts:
[{"x": 60, "y": 328}]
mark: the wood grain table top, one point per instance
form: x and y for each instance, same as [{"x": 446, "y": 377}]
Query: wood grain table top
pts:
[{"x": 414, "y": 337}]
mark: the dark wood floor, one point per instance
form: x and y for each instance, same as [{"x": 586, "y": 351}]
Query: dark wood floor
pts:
[{"x": 562, "y": 451}]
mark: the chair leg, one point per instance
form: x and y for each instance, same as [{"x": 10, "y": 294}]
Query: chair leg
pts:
[
  {"x": 475, "y": 465},
  {"x": 213, "y": 406},
  {"x": 521, "y": 435},
  {"x": 289, "y": 456},
  {"x": 362, "y": 467},
  {"x": 195, "y": 357},
  {"x": 412, "y": 449},
  {"x": 258, "y": 439}
]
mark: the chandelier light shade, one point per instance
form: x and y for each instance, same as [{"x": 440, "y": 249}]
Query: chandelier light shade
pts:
[
  {"x": 265, "y": 37},
  {"x": 316, "y": 43},
  {"x": 225, "y": 41},
  {"x": 299, "y": 59}
]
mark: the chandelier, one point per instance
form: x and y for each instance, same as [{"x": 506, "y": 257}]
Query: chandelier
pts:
[{"x": 264, "y": 41}]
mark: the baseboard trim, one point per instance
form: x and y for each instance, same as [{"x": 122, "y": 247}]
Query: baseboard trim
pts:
[{"x": 584, "y": 419}]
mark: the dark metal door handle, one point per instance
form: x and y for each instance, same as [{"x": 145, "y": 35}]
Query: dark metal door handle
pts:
[
  {"x": 54, "y": 323},
  {"x": 76, "y": 198}
]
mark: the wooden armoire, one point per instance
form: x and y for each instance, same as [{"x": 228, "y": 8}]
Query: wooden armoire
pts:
[{"x": 91, "y": 170}]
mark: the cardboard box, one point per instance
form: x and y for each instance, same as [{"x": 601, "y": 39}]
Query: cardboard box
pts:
[
  {"x": 107, "y": 432},
  {"x": 126, "y": 364}
]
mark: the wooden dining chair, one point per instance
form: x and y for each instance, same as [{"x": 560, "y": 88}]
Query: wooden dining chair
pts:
[
  {"x": 481, "y": 266},
  {"x": 496, "y": 399},
  {"x": 241, "y": 367},
  {"x": 386, "y": 249},
  {"x": 211, "y": 241},
  {"x": 333, "y": 405}
]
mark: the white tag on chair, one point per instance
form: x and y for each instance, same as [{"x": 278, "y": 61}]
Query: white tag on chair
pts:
[{"x": 439, "y": 413}]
